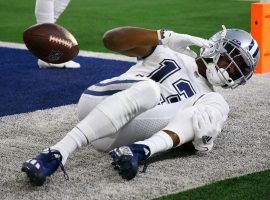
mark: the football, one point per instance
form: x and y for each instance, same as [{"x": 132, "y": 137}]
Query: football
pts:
[{"x": 51, "y": 43}]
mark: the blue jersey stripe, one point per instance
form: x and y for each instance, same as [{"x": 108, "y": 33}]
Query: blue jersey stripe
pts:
[
  {"x": 101, "y": 93},
  {"x": 117, "y": 82}
]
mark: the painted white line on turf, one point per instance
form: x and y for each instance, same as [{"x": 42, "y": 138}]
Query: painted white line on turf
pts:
[
  {"x": 92, "y": 54},
  {"x": 12, "y": 45},
  {"x": 109, "y": 56}
]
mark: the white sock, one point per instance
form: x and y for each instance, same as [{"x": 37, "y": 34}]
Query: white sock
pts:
[
  {"x": 59, "y": 7},
  {"x": 159, "y": 142},
  {"x": 44, "y": 11},
  {"x": 72, "y": 141}
]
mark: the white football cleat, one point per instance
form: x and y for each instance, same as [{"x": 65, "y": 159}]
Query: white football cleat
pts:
[{"x": 69, "y": 64}]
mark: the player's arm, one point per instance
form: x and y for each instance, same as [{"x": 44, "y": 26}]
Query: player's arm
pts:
[
  {"x": 139, "y": 42},
  {"x": 131, "y": 41}
]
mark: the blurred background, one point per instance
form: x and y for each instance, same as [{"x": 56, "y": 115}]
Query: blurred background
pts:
[{"x": 88, "y": 20}]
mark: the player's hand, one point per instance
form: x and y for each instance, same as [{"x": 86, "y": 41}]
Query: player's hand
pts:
[
  {"x": 180, "y": 42},
  {"x": 205, "y": 128}
]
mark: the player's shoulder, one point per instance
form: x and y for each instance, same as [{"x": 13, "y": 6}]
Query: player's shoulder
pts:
[
  {"x": 164, "y": 51},
  {"x": 158, "y": 51},
  {"x": 186, "y": 59}
]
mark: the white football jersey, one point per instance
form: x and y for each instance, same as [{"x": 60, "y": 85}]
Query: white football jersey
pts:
[{"x": 176, "y": 73}]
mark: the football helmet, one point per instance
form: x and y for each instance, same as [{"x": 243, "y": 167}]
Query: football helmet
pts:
[{"x": 231, "y": 60}]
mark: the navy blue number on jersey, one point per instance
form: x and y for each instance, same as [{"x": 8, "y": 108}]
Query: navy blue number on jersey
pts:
[{"x": 182, "y": 87}]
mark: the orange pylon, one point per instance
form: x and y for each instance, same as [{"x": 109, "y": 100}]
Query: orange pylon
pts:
[{"x": 260, "y": 30}]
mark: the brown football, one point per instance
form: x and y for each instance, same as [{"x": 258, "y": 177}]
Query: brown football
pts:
[{"x": 51, "y": 43}]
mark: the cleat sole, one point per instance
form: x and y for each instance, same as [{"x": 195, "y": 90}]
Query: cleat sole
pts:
[
  {"x": 123, "y": 163},
  {"x": 35, "y": 179}
]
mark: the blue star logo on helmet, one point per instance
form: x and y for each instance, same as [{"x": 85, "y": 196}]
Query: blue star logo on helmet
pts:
[
  {"x": 251, "y": 45},
  {"x": 236, "y": 42}
]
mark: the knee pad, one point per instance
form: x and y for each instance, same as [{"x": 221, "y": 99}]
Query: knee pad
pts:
[
  {"x": 123, "y": 106},
  {"x": 146, "y": 94}
]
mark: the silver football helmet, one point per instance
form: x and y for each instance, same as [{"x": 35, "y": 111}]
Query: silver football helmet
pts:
[{"x": 233, "y": 57}]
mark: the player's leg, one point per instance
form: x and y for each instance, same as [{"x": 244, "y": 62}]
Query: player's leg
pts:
[
  {"x": 105, "y": 119},
  {"x": 48, "y": 11},
  {"x": 44, "y": 11},
  {"x": 94, "y": 94},
  {"x": 74, "y": 141},
  {"x": 146, "y": 129},
  {"x": 140, "y": 128},
  {"x": 181, "y": 129},
  {"x": 178, "y": 131},
  {"x": 59, "y": 7},
  {"x": 128, "y": 158}
]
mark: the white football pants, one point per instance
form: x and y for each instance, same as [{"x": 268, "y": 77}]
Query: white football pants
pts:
[{"x": 175, "y": 117}]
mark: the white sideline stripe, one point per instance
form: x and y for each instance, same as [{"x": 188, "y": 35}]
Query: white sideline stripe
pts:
[
  {"x": 108, "y": 56},
  {"x": 91, "y": 54},
  {"x": 12, "y": 45}
]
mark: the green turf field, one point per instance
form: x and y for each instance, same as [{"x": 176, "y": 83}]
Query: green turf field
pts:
[
  {"x": 252, "y": 186},
  {"x": 88, "y": 20}
]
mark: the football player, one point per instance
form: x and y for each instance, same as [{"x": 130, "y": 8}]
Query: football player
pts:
[
  {"x": 48, "y": 11},
  {"x": 165, "y": 100}
]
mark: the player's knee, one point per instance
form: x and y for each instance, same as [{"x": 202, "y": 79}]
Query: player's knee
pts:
[
  {"x": 82, "y": 108},
  {"x": 214, "y": 100},
  {"x": 86, "y": 104},
  {"x": 146, "y": 94},
  {"x": 152, "y": 90}
]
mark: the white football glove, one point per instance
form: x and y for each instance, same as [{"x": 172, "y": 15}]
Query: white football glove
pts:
[
  {"x": 206, "y": 129},
  {"x": 180, "y": 42}
]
